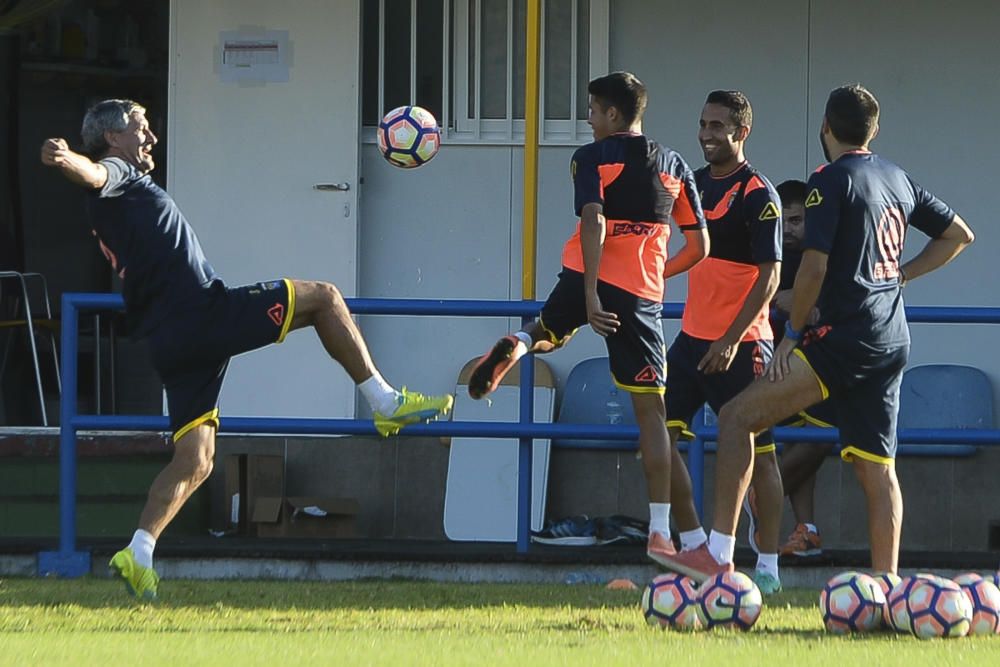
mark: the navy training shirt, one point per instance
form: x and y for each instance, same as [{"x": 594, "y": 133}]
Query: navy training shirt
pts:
[
  {"x": 150, "y": 245},
  {"x": 640, "y": 185},
  {"x": 743, "y": 214},
  {"x": 858, "y": 210}
]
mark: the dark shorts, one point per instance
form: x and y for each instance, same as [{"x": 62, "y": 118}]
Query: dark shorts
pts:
[
  {"x": 863, "y": 382},
  {"x": 688, "y": 388},
  {"x": 191, "y": 353},
  {"x": 822, "y": 414},
  {"x": 636, "y": 351}
]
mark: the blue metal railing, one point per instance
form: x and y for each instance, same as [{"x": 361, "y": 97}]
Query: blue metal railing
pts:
[{"x": 68, "y": 561}]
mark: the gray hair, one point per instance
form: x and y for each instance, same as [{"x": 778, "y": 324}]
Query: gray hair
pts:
[{"x": 106, "y": 116}]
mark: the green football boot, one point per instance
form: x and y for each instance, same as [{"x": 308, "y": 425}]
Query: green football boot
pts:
[
  {"x": 141, "y": 582},
  {"x": 412, "y": 408}
]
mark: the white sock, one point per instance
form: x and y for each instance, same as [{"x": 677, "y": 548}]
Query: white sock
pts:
[
  {"x": 768, "y": 563},
  {"x": 692, "y": 539},
  {"x": 380, "y": 395},
  {"x": 659, "y": 518},
  {"x": 526, "y": 341},
  {"x": 142, "y": 546},
  {"x": 811, "y": 528},
  {"x": 722, "y": 547}
]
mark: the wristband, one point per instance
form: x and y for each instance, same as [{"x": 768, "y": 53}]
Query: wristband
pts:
[{"x": 790, "y": 333}]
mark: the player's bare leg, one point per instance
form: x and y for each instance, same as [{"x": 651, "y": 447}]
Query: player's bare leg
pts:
[
  {"x": 803, "y": 500},
  {"x": 765, "y": 500},
  {"x": 654, "y": 445},
  {"x": 799, "y": 463},
  {"x": 681, "y": 491},
  {"x": 759, "y": 406},
  {"x": 321, "y": 306},
  {"x": 885, "y": 512},
  {"x": 188, "y": 469},
  {"x": 770, "y": 498}
]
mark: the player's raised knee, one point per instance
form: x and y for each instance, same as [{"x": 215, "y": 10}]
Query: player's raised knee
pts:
[
  {"x": 314, "y": 295},
  {"x": 735, "y": 415}
]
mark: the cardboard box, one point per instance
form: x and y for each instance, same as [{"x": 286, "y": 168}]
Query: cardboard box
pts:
[
  {"x": 305, "y": 516},
  {"x": 265, "y": 476},
  {"x": 266, "y": 511},
  {"x": 265, "y": 489},
  {"x": 235, "y": 504}
]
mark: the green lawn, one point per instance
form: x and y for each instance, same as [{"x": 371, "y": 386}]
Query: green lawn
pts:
[{"x": 90, "y": 621}]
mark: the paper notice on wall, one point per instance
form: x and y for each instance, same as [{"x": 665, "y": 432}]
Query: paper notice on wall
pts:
[{"x": 260, "y": 56}]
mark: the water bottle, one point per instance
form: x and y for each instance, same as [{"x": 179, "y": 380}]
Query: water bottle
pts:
[{"x": 612, "y": 408}]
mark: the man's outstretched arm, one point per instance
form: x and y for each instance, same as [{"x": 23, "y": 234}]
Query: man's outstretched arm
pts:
[{"x": 77, "y": 168}]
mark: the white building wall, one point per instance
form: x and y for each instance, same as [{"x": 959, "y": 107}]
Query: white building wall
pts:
[
  {"x": 934, "y": 70},
  {"x": 453, "y": 229}
]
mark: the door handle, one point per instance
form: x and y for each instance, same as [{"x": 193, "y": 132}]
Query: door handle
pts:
[{"x": 332, "y": 187}]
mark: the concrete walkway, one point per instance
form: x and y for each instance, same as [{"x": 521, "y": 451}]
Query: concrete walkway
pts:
[{"x": 303, "y": 569}]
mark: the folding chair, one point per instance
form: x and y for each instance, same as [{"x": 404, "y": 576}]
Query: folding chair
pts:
[{"x": 22, "y": 300}]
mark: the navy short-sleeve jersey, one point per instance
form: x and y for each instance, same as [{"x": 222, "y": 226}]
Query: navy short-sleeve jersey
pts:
[
  {"x": 743, "y": 214},
  {"x": 150, "y": 245},
  {"x": 635, "y": 179},
  {"x": 858, "y": 210},
  {"x": 639, "y": 185}
]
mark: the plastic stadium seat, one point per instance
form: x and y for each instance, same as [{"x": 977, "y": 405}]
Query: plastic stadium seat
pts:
[
  {"x": 591, "y": 397},
  {"x": 944, "y": 396}
]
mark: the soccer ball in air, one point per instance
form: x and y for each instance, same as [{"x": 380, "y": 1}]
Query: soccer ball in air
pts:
[
  {"x": 852, "y": 602},
  {"x": 409, "y": 136},
  {"x": 939, "y": 608},
  {"x": 886, "y": 581},
  {"x": 985, "y": 599},
  {"x": 729, "y": 600},
  {"x": 670, "y": 601}
]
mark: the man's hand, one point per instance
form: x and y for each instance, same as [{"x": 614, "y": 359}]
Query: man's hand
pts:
[
  {"x": 779, "y": 366},
  {"x": 75, "y": 167},
  {"x": 54, "y": 152},
  {"x": 719, "y": 357},
  {"x": 601, "y": 321}
]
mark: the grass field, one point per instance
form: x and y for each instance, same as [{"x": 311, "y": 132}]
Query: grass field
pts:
[{"x": 92, "y": 622}]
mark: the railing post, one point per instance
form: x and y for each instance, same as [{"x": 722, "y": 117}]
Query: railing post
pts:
[
  {"x": 67, "y": 561},
  {"x": 525, "y": 471}
]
